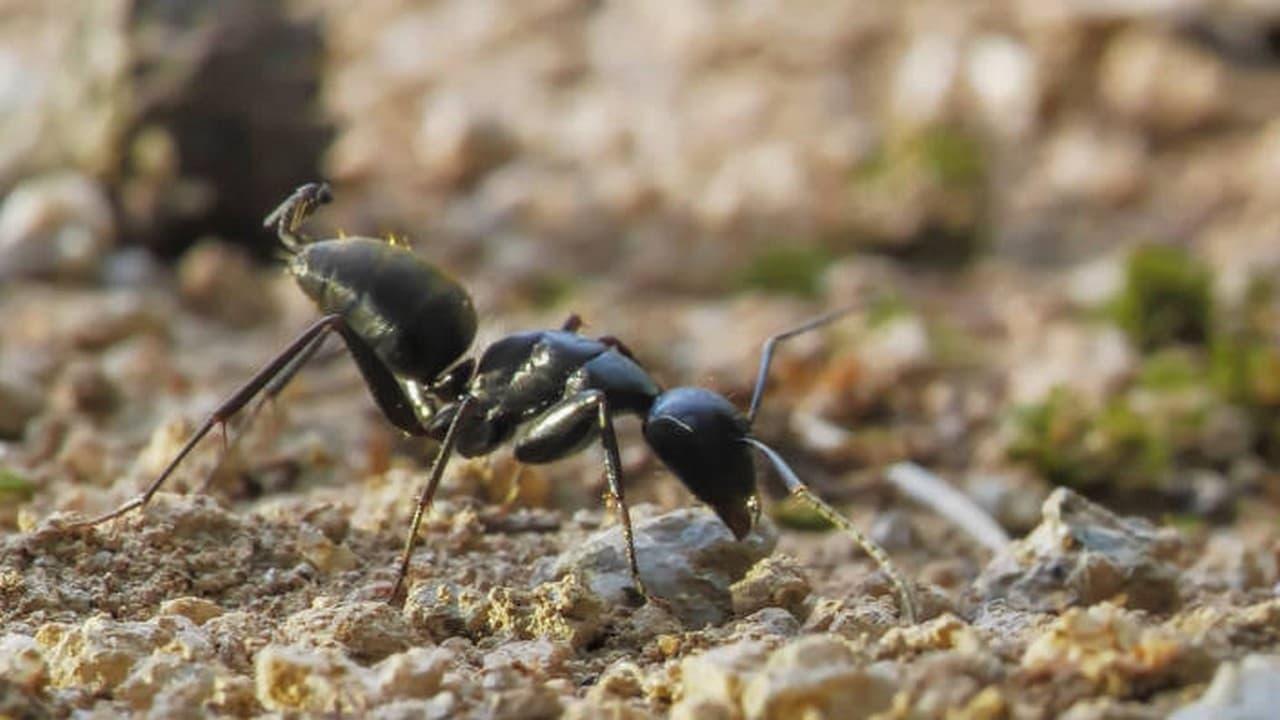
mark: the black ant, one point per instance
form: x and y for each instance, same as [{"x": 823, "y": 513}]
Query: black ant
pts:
[{"x": 408, "y": 325}]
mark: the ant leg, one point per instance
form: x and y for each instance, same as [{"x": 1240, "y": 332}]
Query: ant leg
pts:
[
  {"x": 424, "y": 498},
  {"x": 561, "y": 431},
  {"x": 278, "y": 383},
  {"x": 383, "y": 385},
  {"x": 766, "y": 357},
  {"x": 618, "y": 345},
  {"x": 869, "y": 546},
  {"x": 223, "y": 412},
  {"x": 613, "y": 473},
  {"x": 571, "y": 323},
  {"x": 387, "y": 392},
  {"x": 269, "y": 393}
]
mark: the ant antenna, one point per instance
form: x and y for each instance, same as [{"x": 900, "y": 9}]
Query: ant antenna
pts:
[
  {"x": 290, "y": 214},
  {"x": 869, "y": 546},
  {"x": 766, "y": 358},
  {"x": 798, "y": 489}
]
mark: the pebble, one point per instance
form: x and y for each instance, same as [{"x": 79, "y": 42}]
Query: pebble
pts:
[
  {"x": 687, "y": 557},
  {"x": 22, "y": 662},
  {"x": 219, "y": 281},
  {"x": 817, "y": 676},
  {"x": 774, "y": 582},
  {"x": 1083, "y": 554},
  {"x": 366, "y": 631},
  {"x": 1248, "y": 689},
  {"x": 20, "y": 402},
  {"x": 55, "y": 226}
]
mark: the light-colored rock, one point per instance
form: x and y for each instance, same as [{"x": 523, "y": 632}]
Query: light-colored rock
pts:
[
  {"x": 778, "y": 582},
  {"x": 309, "y": 679},
  {"x": 508, "y": 697},
  {"x": 1001, "y": 75},
  {"x": 687, "y": 557},
  {"x": 414, "y": 673},
  {"x": 20, "y": 401},
  {"x": 85, "y": 388},
  {"x": 292, "y": 678},
  {"x": 817, "y": 675},
  {"x": 925, "y": 79},
  {"x": 22, "y": 662},
  {"x": 98, "y": 654},
  {"x": 540, "y": 657},
  {"x": 219, "y": 281},
  {"x": 1244, "y": 690},
  {"x": 1161, "y": 80},
  {"x": 564, "y": 610},
  {"x": 168, "y": 686},
  {"x": 58, "y": 225},
  {"x": 367, "y": 631},
  {"x": 442, "y": 610},
  {"x": 1092, "y": 164},
  {"x": 945, "y": 632},
  {"x": 197, "y": 610},
  {"x": 1092, "y": 361},
  {"x": 326, "y": 555},
  {"x": 718, "y": 676},
  {"x": 1082, "y": 554},
  {"x": 1110, "y": 649}
]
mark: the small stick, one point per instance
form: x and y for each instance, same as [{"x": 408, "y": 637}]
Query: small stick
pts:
[{"x": 941, "y": 497}]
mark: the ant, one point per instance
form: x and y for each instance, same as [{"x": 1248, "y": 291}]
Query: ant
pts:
[{"x": 552, "y": 392}]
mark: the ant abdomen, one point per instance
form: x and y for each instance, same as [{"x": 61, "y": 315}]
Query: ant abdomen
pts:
[{"x": 416, "y": 318}]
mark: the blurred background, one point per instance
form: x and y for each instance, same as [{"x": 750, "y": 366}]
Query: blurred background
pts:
[{"x": 1058, "y": 219}]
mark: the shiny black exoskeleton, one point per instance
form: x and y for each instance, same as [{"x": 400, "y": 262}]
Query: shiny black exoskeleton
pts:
[
  {"x": 548, "y": 392},
  {"x": 551, "y": 392}
]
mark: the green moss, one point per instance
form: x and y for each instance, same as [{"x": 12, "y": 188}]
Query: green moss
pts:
[
  {"x": 1048, "y": 435},
  {"x": 947, "y": 155},
  {"x": 1166, "y": 298},
  {"x": 548, "y": 291},
  {"x": 1187, "y": 523},
  {"x": 1069, "y": 444},
  {"x": 885, "y": 307},
  {"x": 954, "y": 157},
  {"x": 786, "y": 269},
  {"x": 1244, "y": 360},
  {"x": 942, "y": 172},
  {"x": 1130, "y": 447},
  {"x": 1172, "y": 369},
  {"x": 14, "y": 487}
]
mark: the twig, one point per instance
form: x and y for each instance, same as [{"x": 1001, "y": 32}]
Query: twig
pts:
[{"x": 938, "y": 495}]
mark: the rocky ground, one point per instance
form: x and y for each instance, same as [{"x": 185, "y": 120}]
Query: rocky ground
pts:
[
  {"x": 1054, "y": 225},
  {"x": 266, "y": 593}
]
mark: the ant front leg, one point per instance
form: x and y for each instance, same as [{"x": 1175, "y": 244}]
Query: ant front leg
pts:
[{"x": 561, "y": 431}]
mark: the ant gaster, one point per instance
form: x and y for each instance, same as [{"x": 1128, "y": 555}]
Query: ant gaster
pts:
[{"x": 552, "y": 392}]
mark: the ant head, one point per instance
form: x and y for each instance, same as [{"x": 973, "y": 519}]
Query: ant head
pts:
[{"x": 701, "y": 436}]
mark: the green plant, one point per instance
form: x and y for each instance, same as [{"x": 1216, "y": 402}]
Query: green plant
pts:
[
  {"x": 1166, "y": 298},
  {"x": 1071, "y": 444},
  {"x": 786, "y": 268}
]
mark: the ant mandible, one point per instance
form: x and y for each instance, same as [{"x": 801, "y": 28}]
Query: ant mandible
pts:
[{"x": 408, "y": 325}]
